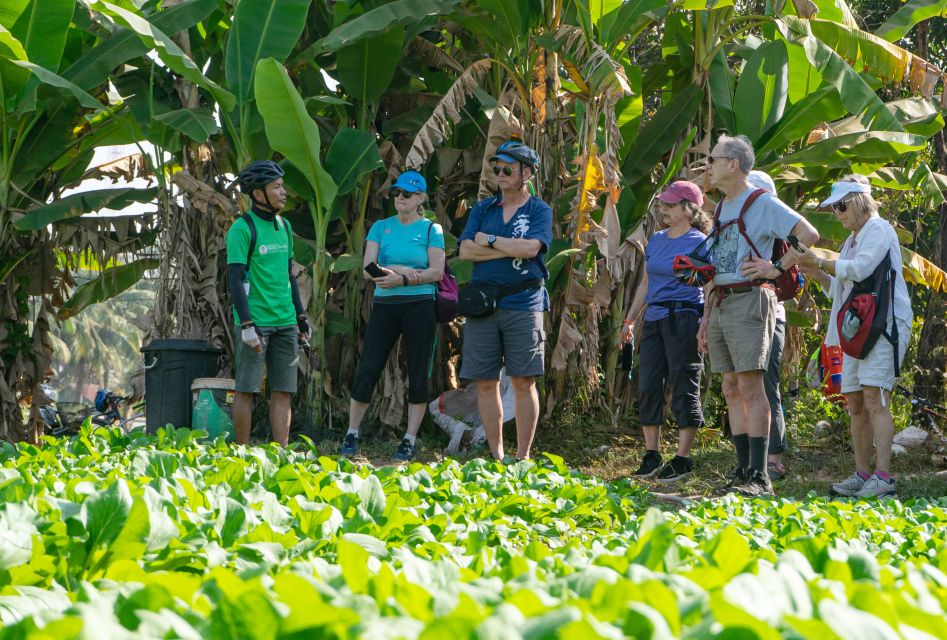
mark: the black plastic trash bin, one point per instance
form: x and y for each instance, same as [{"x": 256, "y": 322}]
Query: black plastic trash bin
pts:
[{"x": 171, "y": 366}]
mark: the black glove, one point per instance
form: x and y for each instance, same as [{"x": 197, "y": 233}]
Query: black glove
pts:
[{"x": 304, "y": 329}]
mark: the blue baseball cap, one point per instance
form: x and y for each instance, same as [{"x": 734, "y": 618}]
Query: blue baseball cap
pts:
[{"x": 411, "y": 181}]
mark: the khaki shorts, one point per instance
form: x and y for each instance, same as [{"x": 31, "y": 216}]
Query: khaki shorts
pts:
[
  {"x": 280, "y": 355},
  {"x": 740, "y": 330}
]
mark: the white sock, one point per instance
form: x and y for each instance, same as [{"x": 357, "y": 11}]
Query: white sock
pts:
[
  {"x": 353, "y": 430},
  {"x": 410, "y": 438}
]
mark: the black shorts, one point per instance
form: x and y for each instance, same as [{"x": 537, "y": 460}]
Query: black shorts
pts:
[{"x": 669, "y": 357}]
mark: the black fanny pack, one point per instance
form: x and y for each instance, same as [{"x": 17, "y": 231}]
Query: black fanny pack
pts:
[{"x": 479, "y": 300}]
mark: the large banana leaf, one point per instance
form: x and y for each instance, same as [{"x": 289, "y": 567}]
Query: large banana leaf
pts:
[
  {"x": 352, "y": 154},
  {"x": 857, "y": 96},
  {"x": 922, "y": 271},
  {"x": 379, "y": 20},
  {"x": 77, "y": 204},
  {"x": 12, "y": 76},
  {"x": 823, "y": 105},
  {"x": 42, "y": 28},
  {"x": 46, "y": 76},
  {"x": 169, "y": 52},
  {"x": 261, "y": 29},
  {"x": 864, "y": 51},
  {"x": 196, "y": 124},
  {"x": 867, "y": 146},
  {"x": 762, "y": 89},
  {"x": 626, "y": 22},
  {"x": 598, "y": 71},
  {"x": 722, "y": 82},
  {"x": 659, "y": 134},
  {"x": 913, "y": 12},
  {"x": 289, "y": 128},
  {"x": 367, "y": 67},
  {"x": 916, "y": 115},
  {"x": 112, "y": 282},
  {"x": 600, "y": 8},
  {"x": 94, "y": 67}
]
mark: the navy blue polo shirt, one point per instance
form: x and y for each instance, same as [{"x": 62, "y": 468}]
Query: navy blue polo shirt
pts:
[{"x": 532, "y": 221}]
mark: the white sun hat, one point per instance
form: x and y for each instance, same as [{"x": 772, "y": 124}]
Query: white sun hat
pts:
[
  {"x": 761, "y": 180},
  {"x": 842, "y": 189}
]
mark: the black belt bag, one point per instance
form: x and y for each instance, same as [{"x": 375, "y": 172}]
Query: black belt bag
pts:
[{"x": 479, "y": 300}]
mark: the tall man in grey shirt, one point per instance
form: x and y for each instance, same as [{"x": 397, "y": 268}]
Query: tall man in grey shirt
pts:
[{"x": 738, "y": 327}]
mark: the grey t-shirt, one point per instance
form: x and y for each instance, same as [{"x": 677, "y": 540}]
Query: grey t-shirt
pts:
[{"x": 767, "y": 218}]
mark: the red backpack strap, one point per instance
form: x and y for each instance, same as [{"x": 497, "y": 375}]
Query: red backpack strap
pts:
[{"x": 740, "y": 224}]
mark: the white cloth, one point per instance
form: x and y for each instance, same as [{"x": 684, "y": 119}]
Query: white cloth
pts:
[{"x": 860, "y": 255}]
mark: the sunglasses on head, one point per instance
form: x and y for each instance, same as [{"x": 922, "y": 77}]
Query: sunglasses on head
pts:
[
  {"x": 400, "y": 193},
  {"x": 507, "y": 171},
  {"x": 841, "y": 207}
]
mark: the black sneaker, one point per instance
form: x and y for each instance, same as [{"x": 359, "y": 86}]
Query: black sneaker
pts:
[
  {"x": 405, "y": 450},
  {"x": 757, "y": 485},
  {"x": 349, "y": 445},
  {"x": 676, "y": 469},
  {"x": 649, "y": 464}
]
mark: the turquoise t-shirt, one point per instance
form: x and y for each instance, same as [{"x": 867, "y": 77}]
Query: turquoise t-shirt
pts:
[{"x": 406, "y": 245}]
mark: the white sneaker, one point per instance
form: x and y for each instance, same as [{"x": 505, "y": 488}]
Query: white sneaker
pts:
[
  {"x": 849, "y": 486},
  {"x": 876, "y": 487}
]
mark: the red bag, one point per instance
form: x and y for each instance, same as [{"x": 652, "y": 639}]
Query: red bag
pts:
[
  {"x": 787, "y": 284},
  {"x": 863, "y": 317}
]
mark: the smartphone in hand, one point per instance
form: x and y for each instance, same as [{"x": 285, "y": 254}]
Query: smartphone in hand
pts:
[{"x": 374, "y": 270}]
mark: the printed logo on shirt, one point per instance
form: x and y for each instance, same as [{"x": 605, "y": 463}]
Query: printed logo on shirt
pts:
[
  {"x": 520, "y": 229},
  {"x": 726, "y": 248},
  {"x": 267, "y": 248}
]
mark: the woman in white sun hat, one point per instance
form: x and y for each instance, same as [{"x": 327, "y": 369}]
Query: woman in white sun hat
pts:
[{"x": 867, "y": 381}]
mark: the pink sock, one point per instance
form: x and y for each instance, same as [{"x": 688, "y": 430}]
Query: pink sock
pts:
[
  {"x": 863, "y": 475},
  {"x": 884, "y": 476}
]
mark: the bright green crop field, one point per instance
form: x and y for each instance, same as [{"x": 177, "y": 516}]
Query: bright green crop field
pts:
[{"x": 113, "y": 535}]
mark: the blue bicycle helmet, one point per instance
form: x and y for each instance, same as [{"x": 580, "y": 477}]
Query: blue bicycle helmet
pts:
[
  {"x": 102, "y": 399},
  {"x": 516, "y": 151},
  {"x": 258, "y": 174}
]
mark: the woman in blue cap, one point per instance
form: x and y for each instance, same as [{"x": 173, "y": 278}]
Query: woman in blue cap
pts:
[{"x": 404, "y": 257}]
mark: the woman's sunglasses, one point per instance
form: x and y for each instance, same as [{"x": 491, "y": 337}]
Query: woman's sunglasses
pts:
[
  {"x": 841, "y": 207},
  {"x": 400, "y": 193},
  {"x": 507, "y": 171}
]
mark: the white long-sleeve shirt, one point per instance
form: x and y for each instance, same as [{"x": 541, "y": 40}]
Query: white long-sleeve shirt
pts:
[{"x": 859, "y": 257}]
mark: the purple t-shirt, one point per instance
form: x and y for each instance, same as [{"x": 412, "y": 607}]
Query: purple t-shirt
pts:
[{"x": 662, "y": 285}]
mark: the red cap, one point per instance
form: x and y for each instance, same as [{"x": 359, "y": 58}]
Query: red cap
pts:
[{"x": 682, "y": 190}]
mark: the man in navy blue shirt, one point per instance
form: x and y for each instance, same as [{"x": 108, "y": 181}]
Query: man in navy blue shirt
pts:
[{"x": 506, "y": 238}]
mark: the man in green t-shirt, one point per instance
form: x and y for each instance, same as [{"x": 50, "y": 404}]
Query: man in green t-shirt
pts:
[{"x": 269, "y": 317}]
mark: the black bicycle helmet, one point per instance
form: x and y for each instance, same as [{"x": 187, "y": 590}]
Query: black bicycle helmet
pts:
[
  {"x": 515, "y": 151},
  {"x": 258, "y": 174}
]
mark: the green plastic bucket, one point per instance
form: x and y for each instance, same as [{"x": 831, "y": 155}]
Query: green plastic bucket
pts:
[{"x": 212, "y": 410}]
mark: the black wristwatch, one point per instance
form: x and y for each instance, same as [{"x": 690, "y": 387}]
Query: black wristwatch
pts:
[
  {"x": 490, "y": 240},
  {"x": 404, "y": 280},
  {"x": 779, "y": 266}
]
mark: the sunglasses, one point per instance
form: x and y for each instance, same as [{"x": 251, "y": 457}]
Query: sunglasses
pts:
[
  {"x": 401, "y": 193},
  {"x": 507, "y": 171},
  {"x": 841, "y": 207},
  {"x": 711, "y": 159}
]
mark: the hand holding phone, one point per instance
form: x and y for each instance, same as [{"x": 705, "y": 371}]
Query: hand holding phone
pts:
[{"x": 374, "y": 270}]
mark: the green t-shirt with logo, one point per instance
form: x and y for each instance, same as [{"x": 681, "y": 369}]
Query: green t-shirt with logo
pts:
[{"x": 269, "y": 295}]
